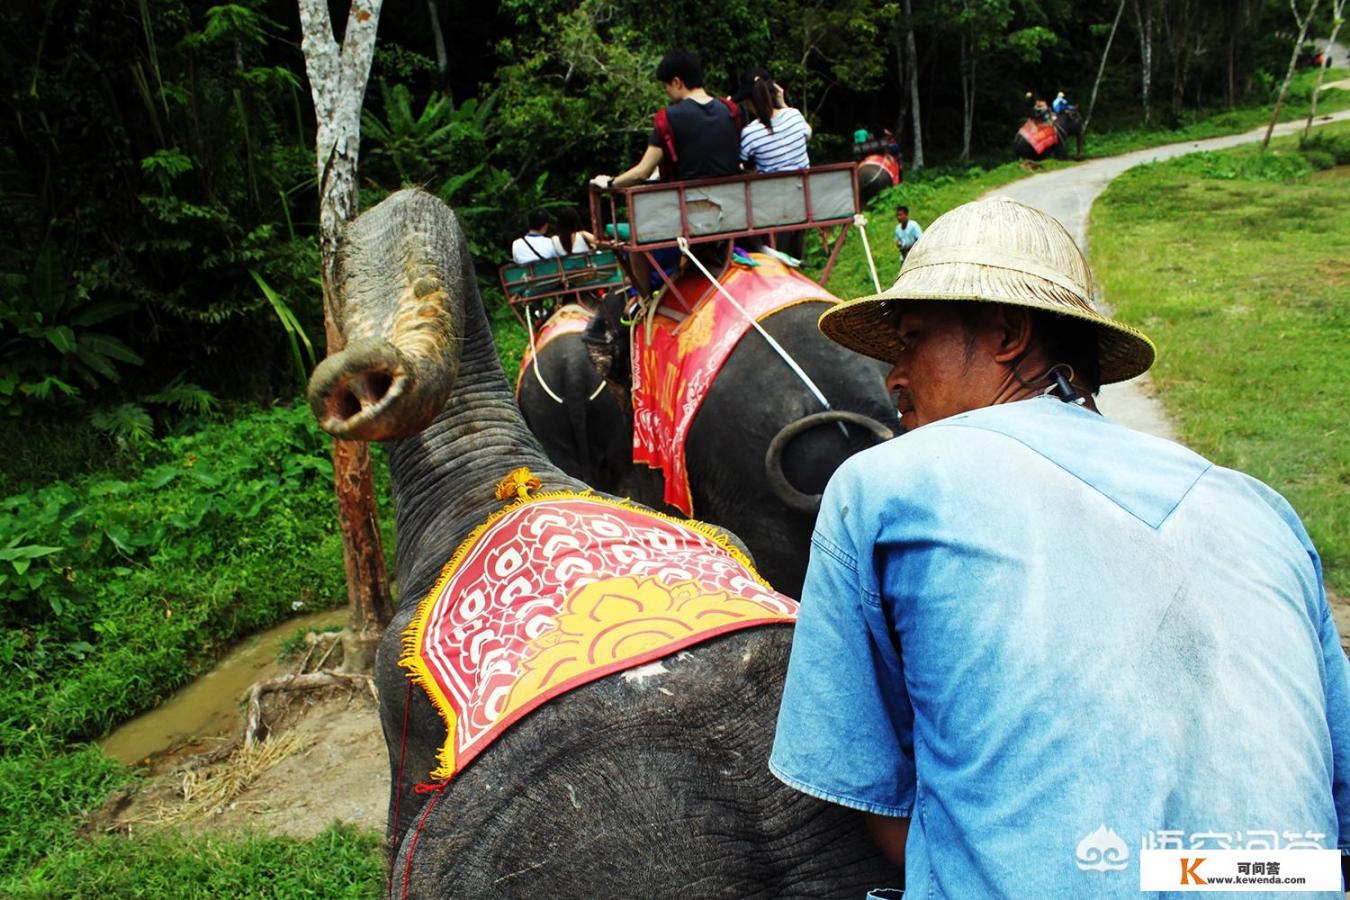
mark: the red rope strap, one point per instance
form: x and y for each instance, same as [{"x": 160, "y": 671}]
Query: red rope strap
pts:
[{"x": 439, "y": 790}]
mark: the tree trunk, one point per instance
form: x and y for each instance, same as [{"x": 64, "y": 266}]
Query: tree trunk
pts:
[
  {"x": 337, "y": 78},
  {"x": 916, "y": 158},
  {"x": 967, "y": 100},
  {"x": 1145, "y": 22},
  {"x": 1101, "y": 69},
  {"x": 1293, "y": 60},
  {"x": 1337, "y": 17},
  {"x": 902, "y": 84},
  {"x": 442, "y": 58}
]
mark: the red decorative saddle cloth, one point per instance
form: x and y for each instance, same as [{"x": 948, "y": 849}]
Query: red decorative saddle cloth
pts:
[
  {"x": 569, "y": 319},
  {"x": 886, "y": 162},
  {"x": 561, "y": 589},
  {"x": 674, "y": 367},
  {"x": 1040, "y": 135}
]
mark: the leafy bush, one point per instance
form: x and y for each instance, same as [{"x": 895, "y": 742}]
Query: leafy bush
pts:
[
  {"x": 1329, "y": 143},
  {"x": 115, "y": 591}
]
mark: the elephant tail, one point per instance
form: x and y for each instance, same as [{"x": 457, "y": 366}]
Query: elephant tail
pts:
[{"x": 773, "y": 457}]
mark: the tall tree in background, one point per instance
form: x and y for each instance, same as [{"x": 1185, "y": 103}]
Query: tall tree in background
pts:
[
  {"x": 1303, "y": 22},
  {"x": 337, "y": 79},
  {"x": 1337, "y": 18},
  {"x": 912, "y": 62},
  {"x": 1143, "y": 18},
  {"x": 1101, "y": 69}
]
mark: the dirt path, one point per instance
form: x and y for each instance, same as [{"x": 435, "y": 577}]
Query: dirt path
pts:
[{"x": 1068, "y": 195}]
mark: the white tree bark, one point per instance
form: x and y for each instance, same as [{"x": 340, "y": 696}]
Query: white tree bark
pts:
[
  {"x": 1145, "y": 22},
  {"x": 967, "y": 98},
  {"x": 1337, "y": 19},
  {"x": 337, "y": 81},
  {"x": 916, "y": 158},
  {"x": 1303, "y": 23},
  {"x": 1101, "y": 69}
]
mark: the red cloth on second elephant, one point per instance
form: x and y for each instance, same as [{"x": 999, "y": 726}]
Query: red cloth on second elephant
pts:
[
  {"x": 1040, "y": 136},
  {"x": 676, "y": 365},
  {"x": 558, "y": 590}
]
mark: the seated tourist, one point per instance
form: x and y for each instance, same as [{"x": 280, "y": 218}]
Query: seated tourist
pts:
[
  {"x": 697, "y": 136},
  {"x": 570, "y": 237},
  {"x": 536, "y": 244},
  {"x": 775, "y": 139}
]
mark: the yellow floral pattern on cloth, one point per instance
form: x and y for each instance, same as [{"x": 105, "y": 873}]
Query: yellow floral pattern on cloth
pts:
[
  {"x": 620, "y": 618},
  {"x": 697, "y": 330},
  {"x": 560, "y": 589}
]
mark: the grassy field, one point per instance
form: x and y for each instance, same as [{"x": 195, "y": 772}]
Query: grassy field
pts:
[{"x": 1236, "y": 264}]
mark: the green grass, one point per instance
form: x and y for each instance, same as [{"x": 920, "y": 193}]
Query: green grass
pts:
[
  {"x": 341, "y": 862},
  {"x": 1235, "y": 263}
]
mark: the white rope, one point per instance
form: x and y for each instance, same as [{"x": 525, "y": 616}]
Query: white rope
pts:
[
  {"x": 596, "y": 393},
  {"x": 792, "y": 363},
  {"x": 534, "y": 356},
  {"x": 861, "y": 221}
]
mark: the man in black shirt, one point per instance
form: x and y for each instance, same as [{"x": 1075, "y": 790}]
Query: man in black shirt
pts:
[{"x": 697, "y": 136}]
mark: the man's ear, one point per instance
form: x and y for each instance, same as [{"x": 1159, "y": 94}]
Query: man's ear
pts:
[{"x": 1012, "y": 326}]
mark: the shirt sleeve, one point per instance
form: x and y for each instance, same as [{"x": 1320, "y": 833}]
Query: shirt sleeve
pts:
[
  {"x": 654, "y": 140},
  {"x": 1337, "y": 689},
  {"x": 845, "y": 727},
  {"x": 1335, "y": 666}
]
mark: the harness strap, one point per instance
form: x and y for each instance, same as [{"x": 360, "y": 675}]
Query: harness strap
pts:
[
  {"x": 861, "y": 221},
  {"x": 777, "y": 347},
  {"x": 534, "y": 358}
]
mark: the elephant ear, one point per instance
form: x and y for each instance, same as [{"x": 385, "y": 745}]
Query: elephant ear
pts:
[{"x": 607, "y": 345}]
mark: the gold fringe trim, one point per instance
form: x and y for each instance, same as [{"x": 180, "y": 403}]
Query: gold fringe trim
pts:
[
  {"x": 518, "y": 483},
  {"x": 420, "y": 673}
]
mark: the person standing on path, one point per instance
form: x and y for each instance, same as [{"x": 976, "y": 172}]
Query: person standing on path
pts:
[
  {"x": 1031, "y": 640},
  {"x": 907, "y": 232}
]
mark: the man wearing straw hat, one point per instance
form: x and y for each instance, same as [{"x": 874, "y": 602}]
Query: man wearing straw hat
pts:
[{"x": 1034, "y": 642}]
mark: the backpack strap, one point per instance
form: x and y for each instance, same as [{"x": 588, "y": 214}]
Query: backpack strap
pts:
[
  {"x": 666, "y": 134},
  {"x": 733, "y": 110}
]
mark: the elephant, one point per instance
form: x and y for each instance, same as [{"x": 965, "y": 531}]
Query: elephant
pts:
[
  {"x": 633, "y": 785},
  {"x": 761, "y": 447}
]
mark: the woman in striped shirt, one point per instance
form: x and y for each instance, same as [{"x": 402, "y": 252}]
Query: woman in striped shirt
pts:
[{"x": 775, "y": 140}]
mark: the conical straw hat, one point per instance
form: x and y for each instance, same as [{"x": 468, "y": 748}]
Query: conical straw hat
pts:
[{"x": 992, "y": 251}]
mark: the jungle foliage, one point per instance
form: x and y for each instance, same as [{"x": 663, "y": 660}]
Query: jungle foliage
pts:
[{"x": 157, "y": 180}]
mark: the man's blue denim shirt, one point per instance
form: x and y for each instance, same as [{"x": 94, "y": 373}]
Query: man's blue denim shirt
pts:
[{"x": 1052, "y": 641}]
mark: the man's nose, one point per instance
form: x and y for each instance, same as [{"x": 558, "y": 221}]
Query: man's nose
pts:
[{"x": 898, "y": 378}]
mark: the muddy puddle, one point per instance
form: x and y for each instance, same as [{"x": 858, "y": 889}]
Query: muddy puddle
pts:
[{"x": 207, "y": 713}]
